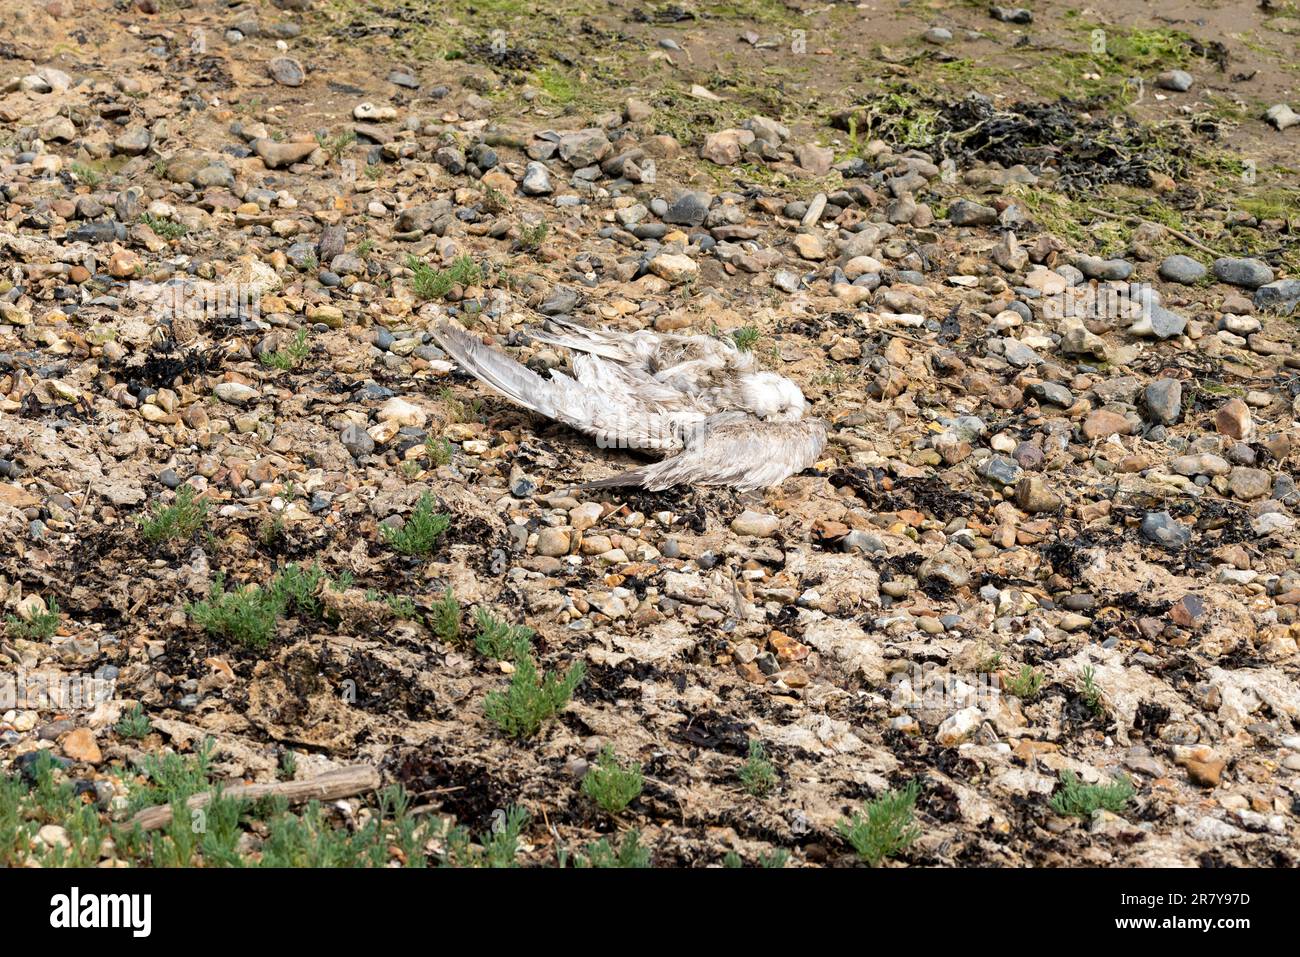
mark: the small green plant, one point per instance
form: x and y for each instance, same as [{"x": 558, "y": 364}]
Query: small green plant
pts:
[
  {"x": 746, "y": 338},
  {"x": 530, "y": 700},
  {"x": 338, "y": 144},
  {"x": 134, "y": 724},
  {"x": 501, "y": 640},
  {"x": 365, "y": 248},
  {"x": 1076, "y": 799},
  {"x": 271, "y": 530},
  {"x": 532, "y": 235},
  {"x": 290, "y": 355},
  {"x": 630, "y": 853},
  {"x": 757, "y": 775},
  {"x": 1091, "y": 693},
  {"x": 495, "y": 201},
  {"x": 179, "y": 520},
  {"x": 884, "y": 827},
  {"x": 611, "y": 783},
  {"x": 429, "y": 282},
  {"x": 420, "y": 534},
  {"x": 444, "y": 618},
  {"x": 297, "y": 587},
  {"x": 86, "y": 174},
  {"x": 247, "y": 615},
  {"x": 438, "y": 451},
  {"x": 1026, "y": 684},
  {"x": 457, "y": 410},
  {"x": 288, "y": 765},
  {"x": 38, "y": 626},
  {"x": 399, "y": 606},
  {"x": 498, "y": 848},
  {"x": 166, "y": 228}
]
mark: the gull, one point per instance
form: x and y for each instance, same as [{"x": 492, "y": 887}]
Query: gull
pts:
[{"x": 700, "y": 401}]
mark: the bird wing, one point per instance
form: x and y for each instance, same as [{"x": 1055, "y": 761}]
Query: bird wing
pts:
[
  {"x": 700, "y": 367},
  {"x": 733, "y": 449},
  {"x": 606, "y": 402},
  {"x": 632, "y": 349}
]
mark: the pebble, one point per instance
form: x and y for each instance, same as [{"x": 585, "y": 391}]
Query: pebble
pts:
[
  {"x": 1181, "y": 269},
  {"x": 1246, "y": 273},
  {"x": 756, "y": 524}
]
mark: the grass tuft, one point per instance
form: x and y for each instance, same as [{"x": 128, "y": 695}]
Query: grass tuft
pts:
[
  {"x": 1076, "y": 799},
  {"x": 530, "y": 701},
  {"x": 884, "y": 827},
  {"x": 37, "y": 627},
  {"x": 758, "y": 775},
  {"x": 611, "y": 783},
  {"x": 180, "y": 520},
  {"x": 431, "y": 283},
  {"x": 423, "y": 528}
]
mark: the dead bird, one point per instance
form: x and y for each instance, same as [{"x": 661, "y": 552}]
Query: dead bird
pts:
[{"x": 699, "y": 400}]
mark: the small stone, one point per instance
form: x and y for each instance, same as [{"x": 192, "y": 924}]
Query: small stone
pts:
[
  {"x": 583, "y": 517},
  {"x": 133, "y": 142},
  {"x": 1113, "y": 270},
  {"x": 1180, "y": 81},
  {"x": 1011, "y": 14},
  {"x": 1247, "y": 483},
  {"x": 286, "y": 71},
  {"x": 1162, "y": 529},
  {"x": 1181, "y": 269},
  {"x": 1280, "y": 297},
  {"x": 357, "y": 441},
  {"x": 1164, "y": 401},
  {"x": 79, "y": 745},
  {"x": 757, "y": 524},
  {"x": 1000, "y": 469},
  {"x": 689, "y": 209},
  {"x": 673, "y": 267},
  {"x": 810, "y": 246},
  {"x": 965, "y": 213},
  {"x": 1282, "y": 116},
  {"x": 1188, "y": 611},
  {"x": 279, "y": 155},
  {"x": 236, "y": 393},
  {"x": 1102, "y": 424},
  {"x": 725, "y": 147},
  {"x": 1246, "y": 273},
  {"x": 402, "y": 413},
  {"x": 815, "y": 159},
  {"x": 537, "y": 180},
  {"x": 1233, "y": 419},
  {"x": 1033, "y": 496},
  {"x": 553, "y": 542},
  {"x": 957, "y": 727}
]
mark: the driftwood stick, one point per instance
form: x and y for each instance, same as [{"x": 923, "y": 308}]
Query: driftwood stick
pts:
[
  {"x": 330, "y": 786},
  {"x": 1138, "y": 221}
]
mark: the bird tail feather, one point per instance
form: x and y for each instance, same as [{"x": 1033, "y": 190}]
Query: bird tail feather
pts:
[
  {"x": 621, "y": 480},
  {"x": 495, "y": 369}
]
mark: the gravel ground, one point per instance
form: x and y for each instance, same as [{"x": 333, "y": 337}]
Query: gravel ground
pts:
[{"x": 1049, "y": 554}]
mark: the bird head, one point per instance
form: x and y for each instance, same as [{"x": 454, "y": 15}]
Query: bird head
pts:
[{"x": 771, "y": 397}]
